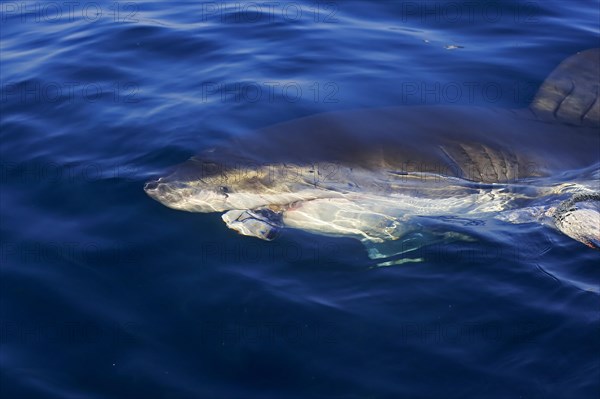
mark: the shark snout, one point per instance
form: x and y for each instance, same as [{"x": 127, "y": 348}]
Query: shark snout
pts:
[
  {"x": 160, "y": 191},
  {"x": 151, "y": 186},
  {"x": 178, "y": 195}
]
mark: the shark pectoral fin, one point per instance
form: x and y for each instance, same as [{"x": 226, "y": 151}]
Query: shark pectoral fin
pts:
[
  {"x": 413, "y": 247},
  {"x": 396, "y": 252},
  {"x": 570, "y": 93},
  {"x": 579, "y": 218},
  {"x": 261, "y": 223}
]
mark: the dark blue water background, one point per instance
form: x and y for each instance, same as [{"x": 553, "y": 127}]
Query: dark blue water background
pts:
[{"x": 107, "y": 293}]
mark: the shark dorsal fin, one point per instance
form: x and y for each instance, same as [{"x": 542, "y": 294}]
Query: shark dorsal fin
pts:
[{"x": 570, "y": 94}]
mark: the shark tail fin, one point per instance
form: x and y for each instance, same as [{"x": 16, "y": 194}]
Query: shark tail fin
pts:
[
  {"x": 570, "y": 94},
  {"x": 579, "y": 218}
]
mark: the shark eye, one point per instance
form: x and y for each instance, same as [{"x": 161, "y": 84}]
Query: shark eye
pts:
[{"x": 224, "y": 190}]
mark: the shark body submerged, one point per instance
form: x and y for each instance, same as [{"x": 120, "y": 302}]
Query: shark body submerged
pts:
[{"x": 380, "y": 174}]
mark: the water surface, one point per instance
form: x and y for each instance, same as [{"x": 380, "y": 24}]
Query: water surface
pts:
[{"x": 107, "y": 293}]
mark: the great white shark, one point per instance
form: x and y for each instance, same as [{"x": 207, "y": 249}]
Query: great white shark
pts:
[{"x": 380, "y": 174}]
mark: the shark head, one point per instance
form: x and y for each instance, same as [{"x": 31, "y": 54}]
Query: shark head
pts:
[
  {"x": 206, "y": 186},
  {"x": 203, "y": 186},
  {"x": 198, "y": 196}
]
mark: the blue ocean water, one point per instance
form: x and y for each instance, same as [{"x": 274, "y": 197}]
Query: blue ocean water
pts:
[{"x": 105, "y": 293}]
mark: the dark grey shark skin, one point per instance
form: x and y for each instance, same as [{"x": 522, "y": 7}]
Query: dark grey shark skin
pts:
[
  {"x": 477, "y": 144},
  {"x": 559, "y": 132}
]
